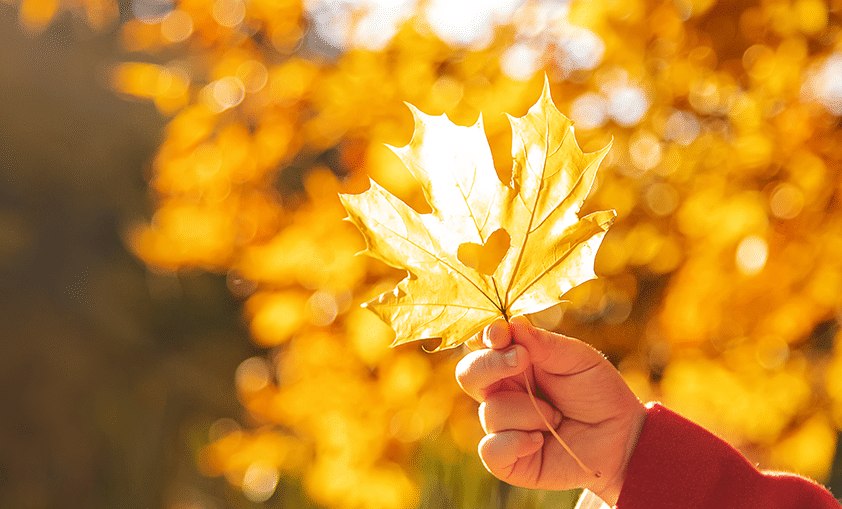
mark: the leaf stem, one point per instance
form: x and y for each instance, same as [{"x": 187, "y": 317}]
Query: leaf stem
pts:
[
  {"x": 500, "y": 304},
  {"x": 553, "y": 431}
]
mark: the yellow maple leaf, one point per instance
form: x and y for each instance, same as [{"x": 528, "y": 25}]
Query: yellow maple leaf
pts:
[{"x": 487, "y": 249}]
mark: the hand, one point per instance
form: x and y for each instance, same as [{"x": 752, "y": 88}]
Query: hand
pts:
[{"x": 577, "y": 390}]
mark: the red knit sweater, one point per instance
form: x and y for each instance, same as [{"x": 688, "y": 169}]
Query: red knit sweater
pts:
[{"x": 679, "y": 465}]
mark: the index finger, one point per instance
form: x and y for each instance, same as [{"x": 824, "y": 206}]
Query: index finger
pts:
[
  {"x": 482, "y": 372},
  {"x": 554, "y": 353}
]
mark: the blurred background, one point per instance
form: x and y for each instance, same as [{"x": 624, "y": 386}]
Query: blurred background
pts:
[{"x": 179, "y": 296}]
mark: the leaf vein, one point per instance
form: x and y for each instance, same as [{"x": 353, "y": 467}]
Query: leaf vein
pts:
[
  {"x": 428, "y": 253},
  {"x": 546, "y": 271}
]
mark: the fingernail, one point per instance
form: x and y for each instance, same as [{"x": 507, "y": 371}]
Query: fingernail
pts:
[
  {"x": 536, "y": 436},
  {"x": 557, "y": 418},
  {"x": 510, "y": 357}
]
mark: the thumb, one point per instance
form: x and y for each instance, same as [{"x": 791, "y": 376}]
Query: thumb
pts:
[{"x": 551, "y": 352}]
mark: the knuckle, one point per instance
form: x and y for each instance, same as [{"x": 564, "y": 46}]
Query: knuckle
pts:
[
  {"x": 466, "y": 367},
  {"x": 488, "y": 362},
  {"x": 492, "y": 452},
  {"x": 492, "y": 403},
  {"x": 472, "y": 373},
  {"x": 486, "y": 447},
  {"x": 483, "y": 416},
  {"x": 461, "y": 371}
]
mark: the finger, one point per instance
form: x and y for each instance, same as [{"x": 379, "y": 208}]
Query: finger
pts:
[
  {"x": 480, "y": 373},
  {"x": 553, "y": 352},
  {"x": 513, "y": 410},
  {"x": 500, "y": 452},
  {"x": 496, "y": 336}
]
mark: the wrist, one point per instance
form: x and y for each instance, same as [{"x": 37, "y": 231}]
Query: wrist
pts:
[{"x": 636, "y": 418}]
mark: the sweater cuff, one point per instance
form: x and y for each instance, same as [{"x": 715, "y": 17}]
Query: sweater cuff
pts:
[
  {"x": 678, "y": 464},
  {"x": 671, "y": 462}
]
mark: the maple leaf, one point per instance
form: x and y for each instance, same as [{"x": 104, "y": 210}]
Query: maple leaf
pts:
[{"x": 487, "y": 249}]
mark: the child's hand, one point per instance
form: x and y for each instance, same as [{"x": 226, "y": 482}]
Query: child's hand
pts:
[{"x": 579, "y": 392}]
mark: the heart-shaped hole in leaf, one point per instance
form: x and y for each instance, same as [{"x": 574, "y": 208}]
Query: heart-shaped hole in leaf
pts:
[{"x": 485, "y": 258}]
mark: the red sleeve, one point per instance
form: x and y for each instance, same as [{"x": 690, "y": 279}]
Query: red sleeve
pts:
[{"x": 679, "y": 465}]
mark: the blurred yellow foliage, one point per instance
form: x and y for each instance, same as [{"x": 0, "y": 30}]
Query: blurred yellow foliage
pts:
[
  {"x": 722, "y": 285},
  {"x": 36, "y": 15}
]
